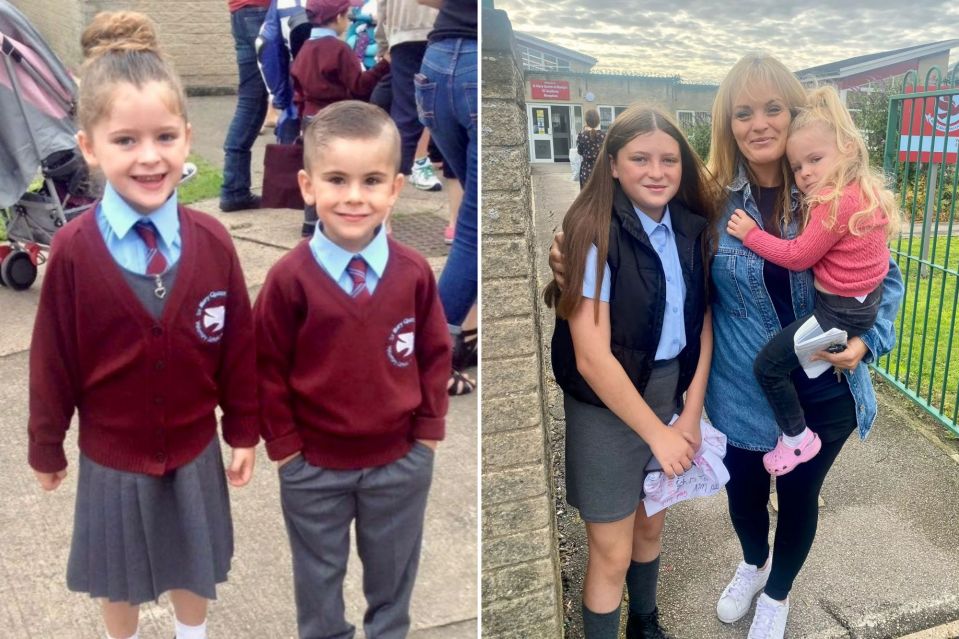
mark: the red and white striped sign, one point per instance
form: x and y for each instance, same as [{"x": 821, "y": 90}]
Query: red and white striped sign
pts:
[{"x": 930, "y": 128}]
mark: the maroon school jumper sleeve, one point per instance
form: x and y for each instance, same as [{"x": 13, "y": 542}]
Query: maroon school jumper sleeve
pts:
[
  {"x": 53, "y": 361},
  {"x": 277, "y": 313},
  {"x": 358, "y": 82},
  {"x": 434, "y": 360},
  {"x": 236, "y": 381}
]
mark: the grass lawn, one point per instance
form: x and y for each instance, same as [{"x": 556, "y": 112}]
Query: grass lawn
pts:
[
  {"x": 923, "y": 359},
  {"x": 205, "y": 185}
]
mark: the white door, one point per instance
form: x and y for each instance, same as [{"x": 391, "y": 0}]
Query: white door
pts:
[{"x": 540, "y": 133}]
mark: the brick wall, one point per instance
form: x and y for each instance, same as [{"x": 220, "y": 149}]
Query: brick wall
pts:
[
  {"x": 521, "y": 584},
  {"x": 195, "y": 33}
]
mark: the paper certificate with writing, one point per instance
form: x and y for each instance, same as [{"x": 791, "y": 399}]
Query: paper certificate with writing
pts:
[{"x": 811, "y": 339}]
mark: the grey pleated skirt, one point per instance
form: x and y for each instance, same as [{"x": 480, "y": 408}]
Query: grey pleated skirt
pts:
[
  {"x": 605, "y": 458},
  {"x": 137, "y": 536}
]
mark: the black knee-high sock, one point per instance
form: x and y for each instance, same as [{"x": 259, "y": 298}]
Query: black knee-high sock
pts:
[
  {"x": 641, "y": 581},
  {"x": 600, "y": 625}
]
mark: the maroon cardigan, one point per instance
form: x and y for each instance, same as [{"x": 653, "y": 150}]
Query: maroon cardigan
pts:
[
  {"x": 145, "y": 389},
  {"x": 351, "y": 384},
  {"x": 326, "y": 71}
]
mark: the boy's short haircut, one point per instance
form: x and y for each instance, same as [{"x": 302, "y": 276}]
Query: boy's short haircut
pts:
[{"x": 348, "y": 120}]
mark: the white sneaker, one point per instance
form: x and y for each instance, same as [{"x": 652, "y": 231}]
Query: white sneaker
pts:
[
  {"x": 770, "y": 619},
  {"x": 738, "y": 595},
  {"x": 423, "y": 177}
]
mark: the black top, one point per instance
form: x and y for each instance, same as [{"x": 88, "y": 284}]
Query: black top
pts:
[
  {"x": 776, "y": 278},
  {"x": 637, "y": 299},
  {"x": 457, "y": 19}
]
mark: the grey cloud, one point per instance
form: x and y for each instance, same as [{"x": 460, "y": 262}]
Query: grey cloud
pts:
[{"x": 700, "y": 39}]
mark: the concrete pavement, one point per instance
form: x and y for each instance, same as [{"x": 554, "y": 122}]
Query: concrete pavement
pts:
[
  {"x": 257, "y": 602},
  {"x": 886, "y": 559}
]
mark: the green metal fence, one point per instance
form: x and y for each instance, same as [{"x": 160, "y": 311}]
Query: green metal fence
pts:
[{"x": 922, "y": 147}]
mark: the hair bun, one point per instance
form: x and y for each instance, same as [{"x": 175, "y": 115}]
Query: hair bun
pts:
[{"x": 119, "y": 31}]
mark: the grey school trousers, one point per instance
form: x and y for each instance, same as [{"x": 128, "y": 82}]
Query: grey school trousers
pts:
[{"x": 388, "y": 503}]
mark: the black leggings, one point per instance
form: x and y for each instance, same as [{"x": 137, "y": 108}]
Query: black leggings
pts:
[{"x": 798, "y": 494}]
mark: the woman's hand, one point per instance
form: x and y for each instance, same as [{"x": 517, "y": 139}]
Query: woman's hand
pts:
[
  {"x": 556, "y": 259},
  {"x": 848, "y": 359},
  {"x": 50, "y": 481},
  {"x": 672, "y": 451},
  {"x": 740, "y": 224},
  {"x": 241, "y": 466}
]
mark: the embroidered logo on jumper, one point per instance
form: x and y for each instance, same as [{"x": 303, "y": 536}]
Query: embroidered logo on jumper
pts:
[
  {"x": 400, "y": 344},
  {"x": 211, "y": 316}
]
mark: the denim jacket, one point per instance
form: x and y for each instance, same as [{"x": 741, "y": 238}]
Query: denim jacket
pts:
[{"x": 744, "y": 319}]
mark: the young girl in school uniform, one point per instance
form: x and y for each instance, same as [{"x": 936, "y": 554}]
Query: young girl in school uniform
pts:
[
  {"x": 144, "y": 326},
  {"x": 632, "y": 336}
]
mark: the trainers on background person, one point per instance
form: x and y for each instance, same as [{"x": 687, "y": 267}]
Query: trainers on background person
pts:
[{"x": 423, "y": 177}]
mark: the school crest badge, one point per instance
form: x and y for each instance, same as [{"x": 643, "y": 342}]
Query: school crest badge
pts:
[
  {"x": 400, "y": 345},
  {"x": 210, "y": 317}
]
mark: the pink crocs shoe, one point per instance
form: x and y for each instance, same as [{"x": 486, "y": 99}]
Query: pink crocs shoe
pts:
[{"x": 782, "y": 459}]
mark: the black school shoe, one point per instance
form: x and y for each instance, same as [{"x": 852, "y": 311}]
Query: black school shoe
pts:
[
  {"x": 645, "y": 626},
  {"x": 251, "y": 201}
]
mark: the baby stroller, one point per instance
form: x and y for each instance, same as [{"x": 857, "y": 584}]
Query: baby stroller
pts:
[{"x": 37, "y": 136}]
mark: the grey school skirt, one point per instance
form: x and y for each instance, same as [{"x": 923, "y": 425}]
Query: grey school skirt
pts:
[
  {"x": 137, "y": 536},
  {"x": 605, "y": 458}
]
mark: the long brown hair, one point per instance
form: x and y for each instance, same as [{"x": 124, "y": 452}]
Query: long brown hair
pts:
[{"x": 588, "y": 218}]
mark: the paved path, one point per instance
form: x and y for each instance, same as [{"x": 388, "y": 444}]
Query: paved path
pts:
[{"x": 257, "y": 602}]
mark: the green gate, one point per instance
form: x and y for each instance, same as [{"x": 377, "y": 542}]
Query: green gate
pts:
[{"x": 922, "y": 140}]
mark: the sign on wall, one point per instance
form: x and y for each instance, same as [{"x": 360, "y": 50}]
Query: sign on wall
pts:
[
  {"x": 930, "y": 128},
  {"x": 549, "y": 89}
]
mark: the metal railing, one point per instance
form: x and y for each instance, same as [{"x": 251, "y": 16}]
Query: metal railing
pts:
[{"x": 922, "y": 148}]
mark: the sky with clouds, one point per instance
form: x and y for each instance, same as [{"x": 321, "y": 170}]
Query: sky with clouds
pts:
[{"x": 699, "y": 40}]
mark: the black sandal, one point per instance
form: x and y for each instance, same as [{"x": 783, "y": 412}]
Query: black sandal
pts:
[
  {"x": 459, "y": 384},
  {"x": 464, "y": 349}
]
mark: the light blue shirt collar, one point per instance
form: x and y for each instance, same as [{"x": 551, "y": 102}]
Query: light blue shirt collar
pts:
[
  {"x": 121, "y": 216},
  {"x": 335, "y": 258},
  {"x": 322, "y": 32},
  {"x": 649, "y": 224}
]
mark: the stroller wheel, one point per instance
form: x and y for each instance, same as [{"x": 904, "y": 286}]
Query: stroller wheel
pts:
[{"x": 18, "y": 271}]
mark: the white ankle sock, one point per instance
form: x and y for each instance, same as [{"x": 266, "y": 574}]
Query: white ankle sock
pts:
[
  {"x": 184, "y": 631},
  {"x": 794, "y": 440},
  {"x": 135, "y": 635}
]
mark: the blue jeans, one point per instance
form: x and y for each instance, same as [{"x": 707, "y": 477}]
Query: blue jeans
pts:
[
  {"x": 446, "y": 99},
  {"x": 251, "y": 103}
]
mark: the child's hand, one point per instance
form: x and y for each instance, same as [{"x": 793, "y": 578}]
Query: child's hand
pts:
[
  {"x": 672, "y": 450},
  {"x": 740, "y": 224},
  {"x": 241, "y": 466},
  {"x": 50, "y": 481},
  {"x": 688, "y": 427},
  {"x": 429, "y": 443}
]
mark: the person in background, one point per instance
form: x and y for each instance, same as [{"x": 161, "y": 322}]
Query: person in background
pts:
[{"x": 246, "y": 19}]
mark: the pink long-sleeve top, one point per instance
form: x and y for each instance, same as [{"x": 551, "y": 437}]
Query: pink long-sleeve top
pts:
[{"x": 843, "y": 263}]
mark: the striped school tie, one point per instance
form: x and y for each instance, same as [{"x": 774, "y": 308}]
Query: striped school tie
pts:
[
  {"x": 156, "y": 263},
  {"x": 357, "y": 270}
]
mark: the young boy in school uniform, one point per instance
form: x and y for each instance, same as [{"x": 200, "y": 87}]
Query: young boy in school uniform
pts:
[{"x": 353, "y": 354}]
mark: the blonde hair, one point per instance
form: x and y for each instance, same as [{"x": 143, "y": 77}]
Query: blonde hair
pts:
[
  {"x": 122, "y": 46},
  {"x": 825, "y": 109},
  {"x": 752, "y": 72},
  {"x": 590, "y": 215}
]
